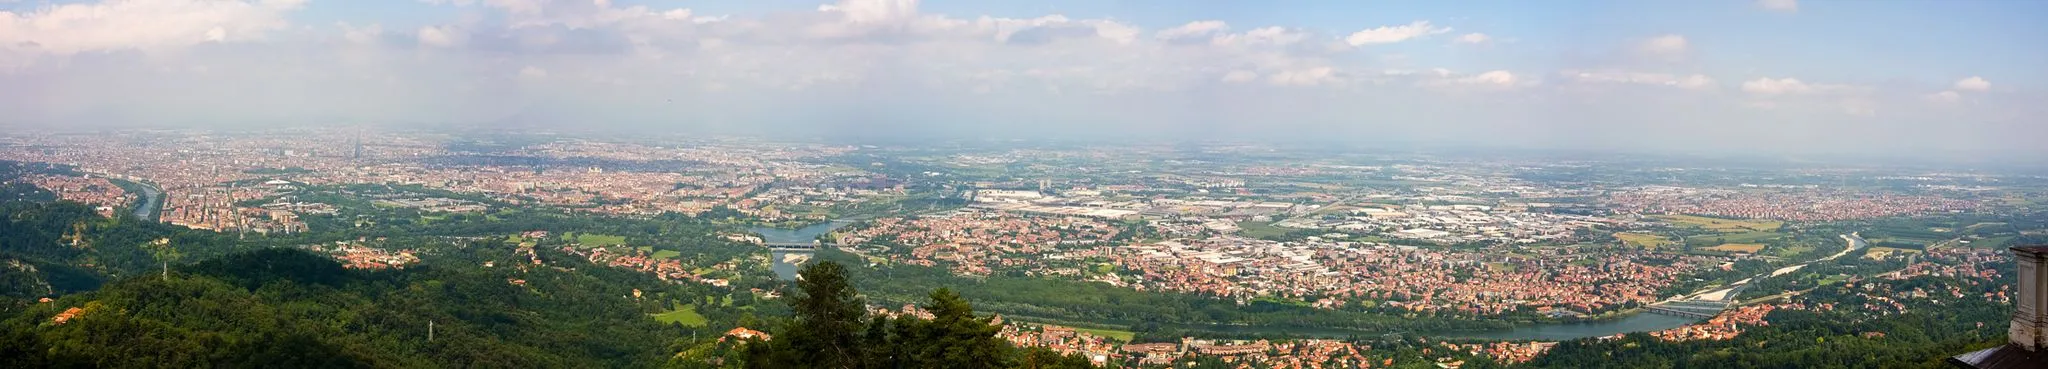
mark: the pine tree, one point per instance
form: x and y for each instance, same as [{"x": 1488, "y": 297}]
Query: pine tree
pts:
[
  {"x": 826, "y": 330},
  {"x": 958, "y": 339}
]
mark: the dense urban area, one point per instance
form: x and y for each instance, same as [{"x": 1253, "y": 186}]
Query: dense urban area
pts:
[{"x": 685, "y": 252}]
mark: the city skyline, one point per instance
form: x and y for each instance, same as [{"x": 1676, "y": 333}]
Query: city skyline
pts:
[{"x": 1776, "y": 77}]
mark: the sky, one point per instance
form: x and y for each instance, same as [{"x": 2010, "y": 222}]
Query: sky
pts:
[{"x": 1956, "y": 78}]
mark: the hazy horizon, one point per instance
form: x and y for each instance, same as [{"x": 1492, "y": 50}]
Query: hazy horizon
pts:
[{"x": 1952, "y": 80}]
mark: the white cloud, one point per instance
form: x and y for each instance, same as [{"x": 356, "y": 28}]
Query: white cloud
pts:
[
  {"x": 440, "y": 36},
  {"x": 1304, "y": 77},
  {"x": 1973, "y": 84},
  {"x": 1670, "y": 46},
  {"x": 1240, "y": 76},
  {"x": 1393, "y": 34},
  {"x": 1193, "y": 29},
  {"x": 1859, "y": 107},
  {"x": 1792, "y": 86},
  {"x": 1694, "y": 82},
  {"x": 594, "y": 61},
  {"x": 1690, "y": 82},
  {"x": 1446, "y": 80},
  {"x": 1275, "y": 36},
  {"x": 141, "y": 24},
  {"x": 1785, "y": 6},
  {"x": 1945, "y": 97},
  {"x": 1497, "y": 78},
  {"x": 532, "y": 72},
  {"x": 362, "y": 35},
  {"x": 873, "y": 11}
]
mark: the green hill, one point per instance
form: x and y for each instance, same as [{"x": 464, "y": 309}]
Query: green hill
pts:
[{"x": 287, "y": 308}]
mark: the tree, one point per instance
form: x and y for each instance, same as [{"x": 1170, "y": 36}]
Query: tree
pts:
[
  {"x": 825, "y": 331},
  {"x": 955, "y": 338},
  {"x": 1042, "y": 358}
]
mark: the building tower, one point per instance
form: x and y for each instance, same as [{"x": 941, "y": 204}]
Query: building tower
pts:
[
  {"x": 2030, "y": 312},
  {"x": 2027, "y": 339}
]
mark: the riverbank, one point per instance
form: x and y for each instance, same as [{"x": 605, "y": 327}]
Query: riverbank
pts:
[{"x": 148, "y": 206}]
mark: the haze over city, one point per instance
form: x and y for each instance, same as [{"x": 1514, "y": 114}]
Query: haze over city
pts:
[{"x": 1949, "y": 79}]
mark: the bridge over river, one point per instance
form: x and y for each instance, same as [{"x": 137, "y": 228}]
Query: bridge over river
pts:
[{"x": 791, "y": 246}]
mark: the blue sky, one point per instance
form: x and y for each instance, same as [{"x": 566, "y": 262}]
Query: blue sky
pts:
[
  {"x": 1961, "y": 77},
  {"x": 1867, "y": 40}
]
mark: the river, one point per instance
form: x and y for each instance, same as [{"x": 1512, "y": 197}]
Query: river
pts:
[
  {"x": 152, "y": 199},
  {"x": 783, "y": 268},
  {"x": 1638, "y": 322}
]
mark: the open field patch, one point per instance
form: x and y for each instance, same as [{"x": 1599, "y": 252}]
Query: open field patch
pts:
[
  {"x": 1642, "y": 240},
  {"x": 1118, "y": 335},
  {"x": 593, "y": 239},
  {"x": 1738, "y": 247},
  {"x": 1261, "y": 230},
  {"x": 1723, "y": 225},
  {"x": 686, "y": 315}
]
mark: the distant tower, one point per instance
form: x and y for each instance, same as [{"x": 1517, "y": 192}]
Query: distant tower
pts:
[{"x": 356, "y": 141}]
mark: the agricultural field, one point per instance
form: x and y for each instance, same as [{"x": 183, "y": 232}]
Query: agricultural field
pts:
[
  {"x": 1792, "y": 250},
  {"x": 1648, "y": 241},
  {"x": 1991, "y": 242},
  {"x": 1738, "y": 247},
  {"x": 1723, "y": 225},
  {"x": 1726, "y": 231},
  {"x": 1974, "y": 227}
]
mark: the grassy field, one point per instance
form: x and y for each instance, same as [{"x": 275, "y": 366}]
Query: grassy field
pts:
[
  {"x": 1882, "y": 252},
  {"x": 1503, "y": 267},
  {"x": 1642, "y": 240},
  {"x": 666, "y": 254},
  {"x": 1118, "y": 335},
  {"x": 1974, "y": 227},
  {"x": 590, "y": 239},
  {"x": 1723, "y": 225},
  {"x": 1738, "y": 247},
  {"x": 1991, "y": 242},
  {"x": 1260, "y": 230},
  {"x": 1791, "y": 250},
  {"x": 1746, "y": 237},
  {"x": 687, "y": 315}
]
